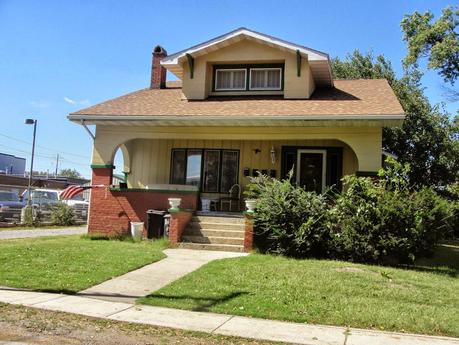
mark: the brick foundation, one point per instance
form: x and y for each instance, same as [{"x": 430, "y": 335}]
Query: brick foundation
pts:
[
  {"x": 248, "y": 236},
  {"x": 178, "y": 222},
  {"x": 112, "y": 211}
]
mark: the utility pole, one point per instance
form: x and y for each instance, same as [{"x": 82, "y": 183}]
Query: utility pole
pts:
[
  {"x": 34, "y": 123},
  {"x": 57, "y": 165}
]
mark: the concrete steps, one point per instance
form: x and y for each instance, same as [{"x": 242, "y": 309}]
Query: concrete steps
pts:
[
  {"x": 222, "y": 233},
  {"x": 211, "y": 246}
]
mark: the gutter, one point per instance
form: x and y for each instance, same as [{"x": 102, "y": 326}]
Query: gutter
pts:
[{"x": 191, "y": 118}]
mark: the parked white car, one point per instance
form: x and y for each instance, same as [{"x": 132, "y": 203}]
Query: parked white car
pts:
[{"x": 44, "y": 199}]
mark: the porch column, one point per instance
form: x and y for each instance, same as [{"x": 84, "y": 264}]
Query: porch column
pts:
[{"x": 101, "y": 175}]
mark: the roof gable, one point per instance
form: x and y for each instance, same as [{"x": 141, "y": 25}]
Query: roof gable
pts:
[{"x": 319, "y": 61}]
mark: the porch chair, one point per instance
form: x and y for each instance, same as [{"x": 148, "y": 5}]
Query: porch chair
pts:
[{"x": 234, "y": 196}]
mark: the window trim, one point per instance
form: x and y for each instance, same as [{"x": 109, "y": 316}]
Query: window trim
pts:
[
  {"x": 265, "y": 88},
  {"x": 247, "y": 67},
  {"x": 231, "y": 70},
  {"x": 201, "y": 184}
]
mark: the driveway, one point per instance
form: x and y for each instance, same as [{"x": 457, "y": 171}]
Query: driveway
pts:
[{"x": 9, "y": 234}]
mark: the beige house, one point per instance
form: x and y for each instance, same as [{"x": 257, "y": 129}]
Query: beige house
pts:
[{"x": 245, "y": 102}]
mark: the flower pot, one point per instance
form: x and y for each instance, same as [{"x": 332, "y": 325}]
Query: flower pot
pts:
[
  {"x": 250, "y": 204},
  {"x": 175, "y": 203}
]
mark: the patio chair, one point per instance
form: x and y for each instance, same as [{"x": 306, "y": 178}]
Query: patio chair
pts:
[{"x": 234, "y": 197}]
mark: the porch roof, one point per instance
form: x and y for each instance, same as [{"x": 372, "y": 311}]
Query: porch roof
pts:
[{"x": 360, "y": 99}]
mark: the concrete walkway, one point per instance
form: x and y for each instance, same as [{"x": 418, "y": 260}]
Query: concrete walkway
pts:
[
  {"x": 9, "y": 234},
  {"x": 130, "y": 286},
  {"x": 216, "y": 323}
]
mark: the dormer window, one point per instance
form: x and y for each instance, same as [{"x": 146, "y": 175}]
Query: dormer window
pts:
[
  {"x": 265, "y": 78},
  {"x": 231, "y": 79},
  {"x": 252, "y": 79}
]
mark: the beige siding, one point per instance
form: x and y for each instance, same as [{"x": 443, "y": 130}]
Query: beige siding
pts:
[
  {"x": 151, "y": 158},
  {"x": 247, "y": 52}
]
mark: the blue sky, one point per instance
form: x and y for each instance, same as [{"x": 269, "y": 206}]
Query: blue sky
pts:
[{"x": 60, "y": 56}]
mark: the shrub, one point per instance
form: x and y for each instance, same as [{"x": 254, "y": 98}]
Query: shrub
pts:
[
  {"x": 28, "y": 217},
  {"x": 373, "y": 221},
  {"x": 289, "y": 220},
  {"x": 62, "y": 214}
]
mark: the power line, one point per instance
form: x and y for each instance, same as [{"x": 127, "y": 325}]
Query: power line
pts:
[{"x": 42, "y": 147}]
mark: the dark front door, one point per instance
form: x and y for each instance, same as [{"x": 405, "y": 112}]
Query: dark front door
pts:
[{"x": 311, "y": 170}]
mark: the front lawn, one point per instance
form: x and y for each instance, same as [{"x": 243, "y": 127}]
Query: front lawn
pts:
[
  {"x": 71, "y": 263},
  {"x": 420, "y": 299}
]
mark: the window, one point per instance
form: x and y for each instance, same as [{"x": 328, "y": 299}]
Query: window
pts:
[
  {"x": 212, "y": 170},
  {"x": 193, "y": 167},
  {"x": 230, "y": 79},
  {"x": 265, "y": 78},
  {"x": 230, "y": 162}
]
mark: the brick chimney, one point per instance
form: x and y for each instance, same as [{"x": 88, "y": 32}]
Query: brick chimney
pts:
[{"x": 158, "y": 72}]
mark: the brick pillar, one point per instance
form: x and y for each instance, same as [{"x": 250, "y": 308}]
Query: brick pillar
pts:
[
  {"x": 97, "y": 208},
  {"x": 177, "y": 224},
  {"x": 248, "y": 236}
]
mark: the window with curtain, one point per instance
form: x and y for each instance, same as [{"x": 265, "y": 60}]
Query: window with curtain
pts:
[
  {"x": 230, "y": 79},
  {"x": 265, "y": 78},
  {"x": 230, "y": 168},
  {"x": 213, "y": 170}
]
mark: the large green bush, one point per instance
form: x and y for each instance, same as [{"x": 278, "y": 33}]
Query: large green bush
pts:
[
  {"x": 373, "y": 223},
  {"x": 289, "y": 220},
  {"x": 62, "y": 214},
  {"x": 374, "y": 220}
]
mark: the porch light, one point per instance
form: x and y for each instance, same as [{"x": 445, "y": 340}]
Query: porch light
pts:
[{"x": 273, "y": 155}]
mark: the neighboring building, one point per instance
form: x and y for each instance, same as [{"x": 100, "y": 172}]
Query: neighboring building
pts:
[
  {"x": 245, "y": 102},
  {"x": 11, "y": 165}
]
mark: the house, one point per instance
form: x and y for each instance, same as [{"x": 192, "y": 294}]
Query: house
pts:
[{"x": 245, "y": 102}]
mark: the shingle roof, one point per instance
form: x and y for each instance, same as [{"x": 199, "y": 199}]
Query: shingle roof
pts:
[{"x": 348, "y": 97}]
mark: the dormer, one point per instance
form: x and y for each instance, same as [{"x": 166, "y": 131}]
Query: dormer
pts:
[{"x": 247, "y": 63}]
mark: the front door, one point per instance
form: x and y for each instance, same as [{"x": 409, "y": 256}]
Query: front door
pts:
[{"x": 310, "y": 173}]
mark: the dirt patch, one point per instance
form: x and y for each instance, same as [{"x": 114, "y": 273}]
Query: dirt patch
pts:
[
  {"x": 350, "y": 270},
  {"x": 41, "y": 327}
]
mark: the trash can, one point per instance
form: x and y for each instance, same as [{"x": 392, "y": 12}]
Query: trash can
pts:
[
  {"x": 155, "y": 223},
  {"x": 136, "y": 230}
]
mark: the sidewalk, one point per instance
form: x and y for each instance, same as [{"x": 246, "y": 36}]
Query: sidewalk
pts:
[
  {"x": 143, "y": 281},
  {"x": 10, "y": 234},
  {"x": 216, "y": 323}
]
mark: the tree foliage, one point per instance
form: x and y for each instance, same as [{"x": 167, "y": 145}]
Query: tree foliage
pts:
[
  {"x": 428, "y": 139},
  {"x": 437, "y": 41},
  {"x": 72, "y": 173}
]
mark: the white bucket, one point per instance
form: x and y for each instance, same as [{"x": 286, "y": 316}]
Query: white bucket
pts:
[{"x": 136, "y": 229}]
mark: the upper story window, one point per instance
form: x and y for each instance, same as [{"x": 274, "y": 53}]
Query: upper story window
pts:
[
  {"x": 230, "y": 79},
  {"x": 250, "y": 77},
  {"x": 265, "y": 78}
]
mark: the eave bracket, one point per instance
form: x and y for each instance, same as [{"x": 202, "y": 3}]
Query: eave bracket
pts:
[{"x": 191, "y": 65}]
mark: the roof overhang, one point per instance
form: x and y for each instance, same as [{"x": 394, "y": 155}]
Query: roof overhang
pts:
[
  {"x": 260, "y": 121},
  {"x": 319, "y": 61}
]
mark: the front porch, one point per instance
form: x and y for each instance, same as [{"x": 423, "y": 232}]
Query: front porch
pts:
[{"x": 204, "y": 163}]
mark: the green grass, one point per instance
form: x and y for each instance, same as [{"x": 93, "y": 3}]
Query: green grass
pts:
[
  {"x": 71, "y": 263},
  {"x": 421, "y": 299},
  {"x": 41, "y": 227}
]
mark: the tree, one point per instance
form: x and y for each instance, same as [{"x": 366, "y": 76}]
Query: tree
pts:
[
  {"x": 428, "y": 139},
  {"x": 437, "y": 41},
  {"x": 72, "y": 173}
]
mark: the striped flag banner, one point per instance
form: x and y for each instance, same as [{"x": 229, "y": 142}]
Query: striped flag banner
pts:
[{"x": 71, "y": 191}]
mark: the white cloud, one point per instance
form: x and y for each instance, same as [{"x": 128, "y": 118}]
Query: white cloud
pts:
[
  {"x": 75, "y": 102},
  {"x": 69, "y": 100}
]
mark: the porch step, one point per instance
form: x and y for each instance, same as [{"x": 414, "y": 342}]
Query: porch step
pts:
[
  {"x": 213, "y": 240},
  {"x": 216, "y": 225},
  {"x": 196, "y": 231},
  {"x": 236, "y": 219},
  {"x": 217, "y": 247}
]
